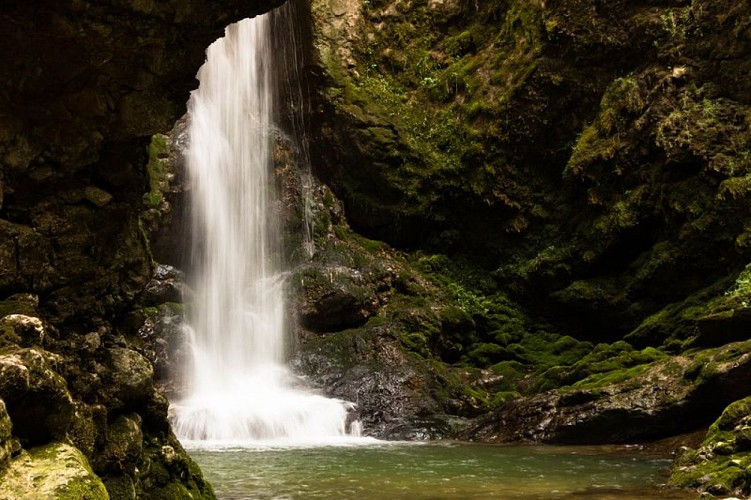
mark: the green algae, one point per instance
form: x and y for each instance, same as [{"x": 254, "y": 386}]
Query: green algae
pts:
[{"x": 158, "y": 151}]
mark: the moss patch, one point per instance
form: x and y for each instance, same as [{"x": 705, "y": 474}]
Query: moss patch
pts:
[
  {"x": 56, "y": 471},
  {"x": 722, "y": 464}
]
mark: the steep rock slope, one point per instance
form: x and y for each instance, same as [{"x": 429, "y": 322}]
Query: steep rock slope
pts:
[{"x": 594, "y": 156}]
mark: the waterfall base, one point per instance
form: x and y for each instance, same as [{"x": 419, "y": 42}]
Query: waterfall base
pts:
[{"x": 262, "y": 407}]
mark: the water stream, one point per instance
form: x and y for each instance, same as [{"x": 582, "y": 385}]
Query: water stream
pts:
[{"x": 238, "y": 388}]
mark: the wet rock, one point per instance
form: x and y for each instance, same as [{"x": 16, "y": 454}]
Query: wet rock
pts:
[
  {"x": 165, "y": 342},
  {"x": 23, "y": 330},
  {"x": 123, "y": 448},
  {"x": 167, "y": 285},
  {"x": 335, "y": 298},
  {"x": 130, "y": 376},
  {"x": 668, "y": 397},
  {"x": 368, "y": 367},
  {"x": 56, "y": 470},
  {"x": 36, "y": 396}
]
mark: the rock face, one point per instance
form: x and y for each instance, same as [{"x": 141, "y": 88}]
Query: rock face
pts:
[
  {"x": 89, "y": 85},
  {"x": 594, "y": 157},
  {"x": 670, "y": 397},
  {"x": 585, "y": 169},
  {"x": 85, "y": 86}
]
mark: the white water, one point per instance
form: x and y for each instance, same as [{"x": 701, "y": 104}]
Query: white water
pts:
[{"x": 238, "y": 388}]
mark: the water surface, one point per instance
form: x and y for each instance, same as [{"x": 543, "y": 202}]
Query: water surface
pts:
[{"x": 436, "y": 471}]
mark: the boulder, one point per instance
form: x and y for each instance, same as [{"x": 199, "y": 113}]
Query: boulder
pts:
[
  {"x": 130, "y": 376},
  {"x": 36, "y": 396},
  {"x": 20, "y": 329},
  {"x": 721, "y": 464},
  {"x": 335, "y": 298},
  {"x": 653, "y": 401},
  {"x": 56, "y": 470}
]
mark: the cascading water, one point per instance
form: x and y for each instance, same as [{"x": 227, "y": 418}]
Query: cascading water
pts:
[{"x": 238, "y": 388}]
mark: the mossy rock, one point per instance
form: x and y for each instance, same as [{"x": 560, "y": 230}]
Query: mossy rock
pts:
[
  {"x": 20, "y": 303},
  {"x": 54, "y": 471},
  {"x": 722, "y": 464},
  {"x": 37, "y": 397}
]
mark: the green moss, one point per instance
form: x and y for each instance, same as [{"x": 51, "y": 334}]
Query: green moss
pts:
[
  {"x": 484, "y": 354},
  {"x": 416, "y": 343},
  {"x": 499, "y": 398},
  {"x": 722, "y": 464},
  {"x": 614, "y": 376},
  {"x": 19, "y": 304},
  {"x": 603, "y": 364},
  {"x": 158, "y": 151},
  {"x": 56, "y": 471}
]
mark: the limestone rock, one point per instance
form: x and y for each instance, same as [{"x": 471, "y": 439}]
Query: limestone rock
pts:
[
  {"x": 6, "y": 428},
  {"x": 97, "y": 196},
  {"x": 36, "y": 396},
  {"x": 20, "y": 303},
  {"x": 54, "y": 471},
  {"x": 130, "y": 375},
  {"x": 23, "y": 330},
  {"x": 124, "y": 446}
]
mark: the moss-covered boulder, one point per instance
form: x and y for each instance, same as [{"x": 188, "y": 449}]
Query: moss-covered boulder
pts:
[
  {"x": 721, "y": 466},
  {"x": 6, "y": 444},
  {"x": 20, "y": 329},
  {"x": 53, "y": 471},
  {"x": 130, "y": 376},
  {"x": 37, "y": 397},
  {"x": 652, "y": 400}
]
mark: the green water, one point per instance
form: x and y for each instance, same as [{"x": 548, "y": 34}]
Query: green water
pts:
[{"x": 436, "y": 471}]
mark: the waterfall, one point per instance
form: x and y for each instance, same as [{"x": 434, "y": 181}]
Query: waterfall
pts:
[{"x": 237, "y": 385}]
